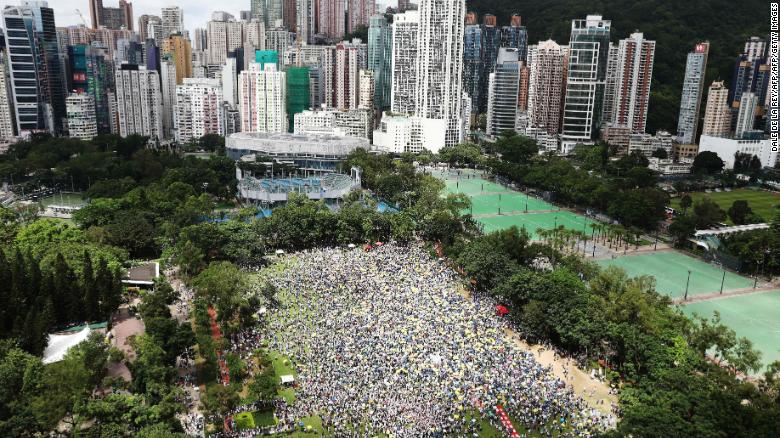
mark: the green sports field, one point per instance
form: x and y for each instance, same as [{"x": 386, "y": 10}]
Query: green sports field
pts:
[
  {"x": 763, "y": 203},
  {"x": 517, "y": 209},
  {"x": 752, "y": 316},
  {"x": 533, "y": 221},
  {"x": 670, "y": 270}
]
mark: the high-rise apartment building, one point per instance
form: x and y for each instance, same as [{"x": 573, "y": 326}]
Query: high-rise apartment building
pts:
[
  {"x": 262, "y": 98},
  {"x": 177, "y": 48},
  {"x": 172, "y": 21},
  {"x": 34, "y": 67},
  {"x": 91, "y": 73},
  {"x": 274, "y": 13},
  {"x": 349, "y": 123},
  {"x": 746, "y": 116},
  {"x": 692, "y": 90},
  {"x": 225, "y": 35},
  {"x": 198, "y": 109},
  {"x": 109, "y": 17},
  {"x": 472, "y": 61},
  {"x": 491, "y": 41},
  {"x": 503, "y": 90},
  {"x": 515, "y": 36},
  {"x": 380, "y": 59},
  {"x": 359, "y": 12},
  {"x": 404, "y": 63},
  {"x": 168, "y": 91},
  {"x": 229, "y": 78},
  {"x": 6, "y": 115},
  {"x": 305, "y": 20},
  {"x": 629, "y": 75},
  {"x": 330, "y": 18},
  {"x": 717, "y": 117},
  {"x": 755, "y": 48},
  {"x": 587, "y": 72},
  {"x": 346, "y": 83},
  {"x": 139, "y": 101},
  {"x": 149, "y": 26},
  {"x": 546, "y": 85},
  {"x": 366, "y": 88},
  {"x": 289, "y": 14},
  {"x": 81, "y": 116},
  {"x": 440, "y": 65}
]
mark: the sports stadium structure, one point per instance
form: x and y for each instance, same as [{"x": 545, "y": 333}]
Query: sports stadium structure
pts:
[
  {"x": 312, "y": 153},
  {"x": 292, "y": 163}
]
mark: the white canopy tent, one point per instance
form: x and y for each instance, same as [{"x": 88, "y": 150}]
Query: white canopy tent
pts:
[{"x": 59, "y": 344}]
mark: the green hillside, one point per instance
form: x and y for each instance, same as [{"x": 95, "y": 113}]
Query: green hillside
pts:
[{"x": 675, "y": 25}]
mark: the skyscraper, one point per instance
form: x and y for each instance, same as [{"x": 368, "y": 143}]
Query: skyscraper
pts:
[
  {"x": 289, "y": 15},
  {"x": 472, "y": 61},
  {"x": 546, "y": 85},
  {"x": 692, "y": 90},
  {"x": 503, "y": 91},
  {"x": 491, "y": 41},
  {"x": 138, "y": 101},
  {"x": 515, "y": 36},
  {"x": 717, "y": 117},
  {"x": 628, "y": 95},
  {"x": 257, "y": 11},
  {"x": 172, "y": 21},
  {"x": 440, "y": 64},
  {"x": 330, "y": 19},
  {"x": 178, "y": 49},
  {"x": 149, "y": 26},
  {"x": 198, "y": 104},
  {"x": 109, "y": 17},
  {"x": 274, "y": 13},
  {"x": 746, "y": 117},
  {"x": 82, "y": 123},
  {"x": 404, "y": 63},
  {"x": 380, "y": 59},
  {"x": 347, "y": 66},
  {"x": 224, "y": 36},
  {"x": 91, "y": 73},
  {"x": 262, "y": 98},
  {"x": 360, "y": 12},
  {"x": 366, "y": 89},
  {"x": 35, "y": 71},
  {"x": 588, "y": 52},
  {"x": 168, "y": 91},
  {"x": 6, "y": 118}
]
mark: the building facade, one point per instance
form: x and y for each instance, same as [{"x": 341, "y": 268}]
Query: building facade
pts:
[
  {"x": 82, "y": 123},
  {"x": 139, "y": 102},
  {"x": 546, "y": 85},
  {"x": 628, "y": 89},
  {"x": 198, "y": 109},
  {"x": 262, "y": 99},
  {"x": 380, "y": 59},
  {"x": 586, "y": 80},
  {"x": 717, "y": 117},
  {"x": 692, "y": 90},
  {"x": 503, "y": 92}
]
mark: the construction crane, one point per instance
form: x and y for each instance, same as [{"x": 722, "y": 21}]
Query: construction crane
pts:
[{"x": 82, "y": 18}]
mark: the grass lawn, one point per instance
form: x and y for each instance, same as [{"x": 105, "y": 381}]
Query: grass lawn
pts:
[
  {"x": 763, "y": 203},
  {"x": 251, "y": 420},
  {"x": 281, "y": 368}
]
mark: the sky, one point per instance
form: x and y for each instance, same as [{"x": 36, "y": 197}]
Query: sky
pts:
[{"x": 196, "y": 12}]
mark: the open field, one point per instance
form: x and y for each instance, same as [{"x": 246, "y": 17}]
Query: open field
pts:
[
  {"x": 763, "y": 203},
  {"x": 670, "y": 270},
  {"x": 753, "y": 316}
]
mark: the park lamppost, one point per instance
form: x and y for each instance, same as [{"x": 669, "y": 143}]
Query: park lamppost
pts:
[
  {"x": 722, "y": 280},
  {"x": 687, "y": 283}
]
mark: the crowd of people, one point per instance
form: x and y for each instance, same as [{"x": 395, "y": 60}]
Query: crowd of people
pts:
[{"x": 384, "y": 343}]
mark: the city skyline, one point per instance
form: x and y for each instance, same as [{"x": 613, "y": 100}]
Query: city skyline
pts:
[{"x": 196, "y": 14}]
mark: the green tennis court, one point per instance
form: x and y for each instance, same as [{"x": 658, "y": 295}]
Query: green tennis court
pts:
[
  {"x": 752, "y": 316},
  {"x": 473, "y": 186},
  {"x": 532, "y": 221},
  {"x": 670, "y": 270},
  {"x": 508, "y": 202}
]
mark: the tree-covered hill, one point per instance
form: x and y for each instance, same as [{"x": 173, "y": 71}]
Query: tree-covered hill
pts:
[{"x": 676, "y": 25}]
